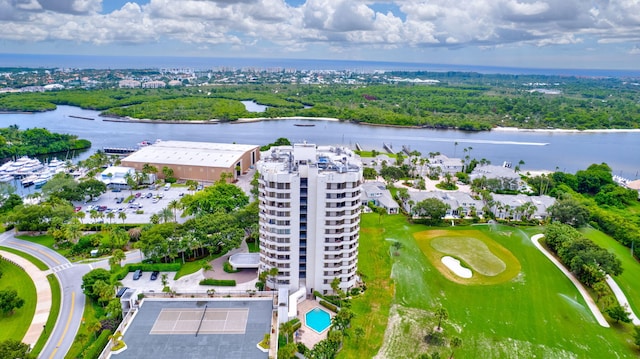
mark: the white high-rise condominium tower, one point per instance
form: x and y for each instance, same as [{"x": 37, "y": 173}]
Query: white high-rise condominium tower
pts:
[{"x": 310, "y": 215}]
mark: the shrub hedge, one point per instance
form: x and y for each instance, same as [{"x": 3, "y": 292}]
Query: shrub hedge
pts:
[
  {"x": 229, "y": 268},
  {"x": 218, "y": 282},
  {"x": 329, "y": 306},
  {"x": 325, "y": 297},
  {"x": 96, "y": 348}
]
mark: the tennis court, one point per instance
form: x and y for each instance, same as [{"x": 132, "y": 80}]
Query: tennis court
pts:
[
  {"x": 228, "y": 328},
  {"x": 201, "y": 321}
]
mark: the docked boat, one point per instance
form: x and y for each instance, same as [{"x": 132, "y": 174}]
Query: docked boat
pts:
[
  {"x": 6, "y": 178},
  {"x": 43, "y": 178},
  {"x": 32, "y": 165},
  {"x": 56, "y": 166},
  {"x": 28, "y": 181}
]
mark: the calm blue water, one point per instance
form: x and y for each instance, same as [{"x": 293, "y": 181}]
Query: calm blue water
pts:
[
  {"x": 539, "y": 150},
  {"x": 205, "y": 63},
  {"x": 318, "y": 320}
]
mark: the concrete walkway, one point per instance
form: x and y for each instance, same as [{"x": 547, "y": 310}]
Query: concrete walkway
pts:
[
  {"x": 585, "y": 295},
  {"x": 622, "y": 299},
  {"x": 43, "y": 297}
]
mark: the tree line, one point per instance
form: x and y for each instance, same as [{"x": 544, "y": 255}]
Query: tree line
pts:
[{"x": 458, "y": 102}]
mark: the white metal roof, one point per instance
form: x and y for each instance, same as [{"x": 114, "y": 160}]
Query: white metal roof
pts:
[{"x": 191, "y": 153}]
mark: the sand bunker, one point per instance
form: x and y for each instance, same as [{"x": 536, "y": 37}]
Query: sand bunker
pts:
[{"x": 456, "y": 267}]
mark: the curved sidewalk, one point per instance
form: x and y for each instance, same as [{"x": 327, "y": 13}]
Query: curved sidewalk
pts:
[
  {"x": 43, "y": 297},
  {"x": 585, "y": 295},
  {"x": 622, "y": 299}
]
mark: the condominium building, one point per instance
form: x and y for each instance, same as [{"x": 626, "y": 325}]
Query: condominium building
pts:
[{"x": 310, "y": 215}]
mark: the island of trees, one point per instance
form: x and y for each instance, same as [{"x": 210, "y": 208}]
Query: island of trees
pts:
[{"x": 36, "y": 141}]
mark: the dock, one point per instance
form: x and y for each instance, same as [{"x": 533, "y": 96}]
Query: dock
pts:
[
  {"x": 122, "y": 151},
  {"x": 387, "y": 147},
  {"x": 82, "y": 117}
]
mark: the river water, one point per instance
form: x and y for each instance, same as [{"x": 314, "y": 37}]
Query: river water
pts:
[{"x": 539, "y": 150}]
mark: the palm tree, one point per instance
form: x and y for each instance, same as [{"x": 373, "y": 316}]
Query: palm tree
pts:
[
  {"x": 80, "y": 215},
  {"x": 174, "y": 205},
  {"x": 93, "y": 214},
  {"x": 116, "y": 258},
  {"x": 455, "y": 145},
  {"x": 166, "y": 214},
  {"x": 122, "y": 216},
  {"x": 286, "y": 329},
  {"x": 441, "y": 314},
  {"x": 456, "y": 342},
  {"x": 111, "y": 216},
  {"x": 130, "y": 182}
]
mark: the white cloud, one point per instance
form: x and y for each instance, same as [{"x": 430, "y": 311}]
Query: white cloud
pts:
[{"x": 335, "y": 24}]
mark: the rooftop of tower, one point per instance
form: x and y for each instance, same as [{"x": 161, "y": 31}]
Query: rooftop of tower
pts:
[{"x": 325, "y": 158}]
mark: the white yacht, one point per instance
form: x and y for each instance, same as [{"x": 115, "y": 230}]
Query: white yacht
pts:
[
  {"x": 28, "y": 181},
  {"x": 43, "y": 177}
]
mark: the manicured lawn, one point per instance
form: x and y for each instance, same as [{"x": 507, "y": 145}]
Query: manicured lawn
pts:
[
  {"x": 38, "y": 263},
  {"x": 254, "y": 247},
  {"x": 194, "y": 266},
  {"x": 53, "y": 314},
  {"x": 14, "y": 326},
  {"x": 372, "y": 308},
  {"x": 84, "y": 337},
  {"x": 46, "y": 241},
  {"x": 630, "y": 277},
  {"x": 534, "y": 314}
]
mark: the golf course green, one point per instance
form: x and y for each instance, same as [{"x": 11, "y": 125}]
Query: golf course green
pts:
[{"x": 527, "y": 310}]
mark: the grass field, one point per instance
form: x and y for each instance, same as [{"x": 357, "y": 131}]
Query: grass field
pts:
[
  {"x": 490, "y": 262},
  {"x": 14, "y": 326},
  {"x": 371, "y": 308},
  {"x": 537, "y": 313},
  {"x": 630, "y": 277},
  {"x": 38, "y": 263},
  {"x": 46, "y": 241}
]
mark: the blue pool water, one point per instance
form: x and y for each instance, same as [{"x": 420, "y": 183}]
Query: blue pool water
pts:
[{"x": 318, "y": 320}]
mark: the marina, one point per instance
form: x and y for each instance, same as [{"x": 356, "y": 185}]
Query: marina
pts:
[{"x": 30, "y": 171}]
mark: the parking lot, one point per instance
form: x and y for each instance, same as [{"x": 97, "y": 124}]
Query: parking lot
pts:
[{"x": 158, "y": 200}]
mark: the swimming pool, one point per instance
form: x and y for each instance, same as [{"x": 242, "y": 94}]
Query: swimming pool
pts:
[{"x": 318, "y": 320}]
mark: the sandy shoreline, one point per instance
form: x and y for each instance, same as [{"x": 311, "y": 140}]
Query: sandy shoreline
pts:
[
  {"x": 560, "y": 130},
  {"x": 331, "y": 119}
]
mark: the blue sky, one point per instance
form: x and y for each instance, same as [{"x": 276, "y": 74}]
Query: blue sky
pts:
[{"x": 598, "y": 34}]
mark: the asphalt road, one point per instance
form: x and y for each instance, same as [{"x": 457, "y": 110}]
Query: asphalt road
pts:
[
  {"x": 73, "y": 300},
  {"x": 72, "y": 304}
]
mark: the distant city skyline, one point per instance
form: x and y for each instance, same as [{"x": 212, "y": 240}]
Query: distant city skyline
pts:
[{"x": 572, "y": 34}]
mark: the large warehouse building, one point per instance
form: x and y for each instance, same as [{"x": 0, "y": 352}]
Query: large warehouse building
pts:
[{"x": 199, "y": 161}]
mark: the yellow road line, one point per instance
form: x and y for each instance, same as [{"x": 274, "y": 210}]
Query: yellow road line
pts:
[
  {"x": 41, "y": 251},
  {"x": 66, "y": 327}
]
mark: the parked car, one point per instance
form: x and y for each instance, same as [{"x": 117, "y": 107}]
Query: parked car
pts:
[
  {"x": 77, "y": 209},
  {"x": 156, "y": 200},
  {"x": 119, "y": 199},
  {"x": 138, "y": 195},
  {"x": 137, "y": 274},
  {"x": 132, "y": 200},
  {"x": 149, "y": 195},
  {"x": 167, "y": 186},
  {"x": 154, "y": 275},
  {"x": 121, "y": 292}
]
